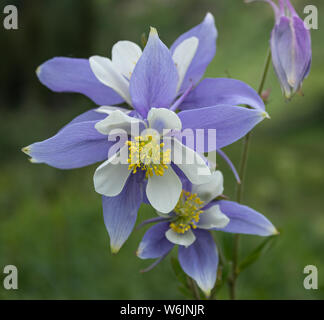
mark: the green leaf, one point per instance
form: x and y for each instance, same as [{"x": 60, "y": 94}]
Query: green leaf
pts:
[{"x": 256, "y": 253}]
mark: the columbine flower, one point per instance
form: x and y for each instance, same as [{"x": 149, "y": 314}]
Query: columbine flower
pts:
[
  {"x": 188, "y": 226},
  {"x": 108, "y": 81},
  {"x": 290, "y": 47},
  {"x": 153, "y": 83}
]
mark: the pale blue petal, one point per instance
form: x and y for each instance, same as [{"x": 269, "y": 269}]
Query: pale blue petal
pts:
[
  {"x": 120, "y": 212},
  {"x": 222, "y": 91},
  {"x": 231, "y": 123},
  {"x": 76, "y": 145},
  {"x": 206, "y": 33},
  {"x": 154, "y": 80},
  {"x": 245, "y": 220},
  {"x": 200, "y": 260},
  {"x": 74, "y": 75},
  {"x": 154, "y": 243}
]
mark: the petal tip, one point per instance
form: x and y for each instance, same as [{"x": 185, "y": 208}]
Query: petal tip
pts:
[
  {"x": 38, "y": 70},
  {"x": 114, "y": 249},
  {"x": 266, "y": 115},
  {"x": 207, "y": 292},
  {"x": 139, "y": 251},
  {"x": 274, "y": 231},
  {"x": 153, "y": 31},
  {"x": 209, "y": 17},
  {"x": 26, "y": 150}
]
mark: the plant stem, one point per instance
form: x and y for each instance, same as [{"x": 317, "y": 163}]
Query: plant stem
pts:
[
  {"x": 193, "y": 287},
  {"x": 239, "y": 190}
]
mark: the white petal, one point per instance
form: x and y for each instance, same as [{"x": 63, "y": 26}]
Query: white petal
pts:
[
  {"x": 163, "y": 215},
  {"x": 190, "y": 163},
  {"x": 118, "y": 120},
  {"x": 183, "y": 239},
  {"x": 161, "y": 118},
  {"x": 213, "y": 218},
  {"x": 211, "y": 157},
  {"x": 163, "y": 192},
  {"x": 125, "y": 55},
  {"x": 110, "y": 109},
  {"x": 210, "y": 190},
  {"x": 108, "y": 74},
  {"x": 183, "y": 55},
  {"x": 110, "y": 177}
]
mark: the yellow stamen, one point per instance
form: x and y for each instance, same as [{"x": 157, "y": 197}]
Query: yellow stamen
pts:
[
  {"x": 188, "y": 211},
  {"x": 146, "y": 153}
]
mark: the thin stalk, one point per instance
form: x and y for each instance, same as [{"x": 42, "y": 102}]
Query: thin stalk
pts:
[
  {"x": 193, "y": 287},
  {"x": 239, "y": 190}
]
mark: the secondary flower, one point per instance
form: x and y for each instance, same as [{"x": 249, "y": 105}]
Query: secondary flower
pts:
[
  {"x": 290, "y": 47},
  {"x": 189, "y": 225},
  {"x": 154, "y": 82}
]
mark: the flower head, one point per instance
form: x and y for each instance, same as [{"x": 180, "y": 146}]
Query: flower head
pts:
[
  {"x": 154, "y": 83},
  {"x": 188, "y": 226}
]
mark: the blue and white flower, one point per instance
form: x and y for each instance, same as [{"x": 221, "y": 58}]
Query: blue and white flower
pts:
[{"x": 189, "y": 225}]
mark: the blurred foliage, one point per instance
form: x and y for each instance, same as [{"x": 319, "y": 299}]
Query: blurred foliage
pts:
[{"x": 51, "y": 225}]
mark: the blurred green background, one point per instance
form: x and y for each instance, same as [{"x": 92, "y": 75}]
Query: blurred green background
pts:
[{"x": 51, "y": 224}]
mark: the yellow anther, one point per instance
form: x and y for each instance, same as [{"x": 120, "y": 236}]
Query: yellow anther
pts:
[
  {"x": 188, "y": 211},
  {"x": 146, "y": 153}
]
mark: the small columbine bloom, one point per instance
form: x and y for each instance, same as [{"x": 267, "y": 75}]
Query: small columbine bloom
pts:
[
  {"x": 290, "y": 47},
  {"x": 189, "y": 225},
  {"x": 157, "y": 78}
]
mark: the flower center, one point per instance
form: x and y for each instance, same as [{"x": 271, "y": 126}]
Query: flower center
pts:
[
  {"x": 188, "y": 211},
  {"x": 146, "y": 153}
]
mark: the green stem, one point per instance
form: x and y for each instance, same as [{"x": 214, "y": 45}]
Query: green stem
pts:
[
  {"x": 193, "y": 287},
  {"x": 239, "y": 190}
]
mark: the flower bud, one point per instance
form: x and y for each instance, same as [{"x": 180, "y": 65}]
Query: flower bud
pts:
[{"x": 290, "y": 47}]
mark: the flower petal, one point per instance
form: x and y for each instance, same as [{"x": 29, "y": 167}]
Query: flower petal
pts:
[
  {"x": 200, "y": 260},
  {"x": 155, "y": 77},
  {"x": 229, "y": 162},
  {"x": 120, "y": 212},
  {"x": 154, "y": 243},
  {"x": 183, "y": 55},
  {"x": 118, "y": 120},
  {"x": 110, "y": 109},
  {"x": 125, "y": 55},
  {"x": 163, "y": 119},
  {"x": 190, "y": 163},
  {"x": 231, "y": 123},
  {"x": 108, "y": 74},
  {"x": 210, "y": 190},
  {"x": 212, "y": 217},
  {"x": 74, "y": 75},
  {"x": 221, "y": 91},
  {"x": 163, "y": 192},
  {"x": 206, "y": 33},
  {"x": 183, "y": 239},
  {"x": 110, "y": 177},
  {"x": 76, "y": 145},
  {"x": 245, "y": 220}
]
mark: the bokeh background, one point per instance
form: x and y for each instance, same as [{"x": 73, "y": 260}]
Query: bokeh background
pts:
[{"x": 51, "y": 224}]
